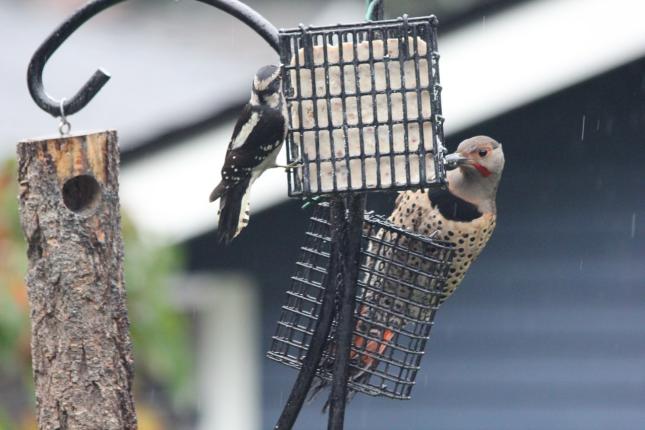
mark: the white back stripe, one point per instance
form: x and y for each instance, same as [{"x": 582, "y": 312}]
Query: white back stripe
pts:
[{"x": 245, "y": 131}]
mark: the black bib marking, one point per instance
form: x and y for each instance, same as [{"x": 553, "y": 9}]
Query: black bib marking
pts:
[{"x": 452, "y": 207}]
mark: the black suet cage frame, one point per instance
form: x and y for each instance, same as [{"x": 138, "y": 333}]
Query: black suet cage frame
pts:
[
  {"x": 297, "y": 47},
  {"x": 394, "y": 263}
]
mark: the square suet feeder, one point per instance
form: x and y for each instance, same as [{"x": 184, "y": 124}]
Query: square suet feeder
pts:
[
  {"x": 364, "y": 105},
  {"x": 401, "y": 280}
]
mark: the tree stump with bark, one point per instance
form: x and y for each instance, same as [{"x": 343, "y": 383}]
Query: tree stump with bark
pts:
[{"x": 81, "y": 348}]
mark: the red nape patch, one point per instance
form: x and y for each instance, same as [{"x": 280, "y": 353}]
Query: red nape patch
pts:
[{"x": 484, "y": 171}]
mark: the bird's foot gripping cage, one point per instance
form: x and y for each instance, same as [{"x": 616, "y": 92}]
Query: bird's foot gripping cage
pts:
[
  {"x": 401, "y": 281},
  {"x": 364, "y": 106}
]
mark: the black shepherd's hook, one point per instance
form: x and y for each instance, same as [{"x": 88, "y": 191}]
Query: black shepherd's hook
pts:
[{"x": 74, "y": 104}]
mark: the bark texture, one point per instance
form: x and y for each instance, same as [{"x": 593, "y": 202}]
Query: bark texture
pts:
[{"x": 81, "y": 349}]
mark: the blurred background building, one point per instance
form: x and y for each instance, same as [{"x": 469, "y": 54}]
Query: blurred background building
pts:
[{"x": 548, "y": 329}]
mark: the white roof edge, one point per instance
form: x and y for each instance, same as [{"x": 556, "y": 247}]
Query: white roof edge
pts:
[
  {"x": 487, "y": 68},
  {"x": 532, "y": 50}
]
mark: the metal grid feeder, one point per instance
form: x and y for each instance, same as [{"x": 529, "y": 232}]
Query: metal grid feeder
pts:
[
  {"x": 364, "y": 106},
  {"x": 401, "y": 279}
]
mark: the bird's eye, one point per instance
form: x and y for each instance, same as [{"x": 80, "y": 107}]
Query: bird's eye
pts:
[{"x": 483, "y": 152}]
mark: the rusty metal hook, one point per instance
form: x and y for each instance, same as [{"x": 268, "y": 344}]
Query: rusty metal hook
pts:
[{"x": 87, "y": 92}]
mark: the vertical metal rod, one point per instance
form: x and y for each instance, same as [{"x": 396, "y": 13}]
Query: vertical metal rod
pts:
[
  {"x": 346, "y": 217},
  {"x": 323, "y": 324},
  {"x": 350, "y": 231}
]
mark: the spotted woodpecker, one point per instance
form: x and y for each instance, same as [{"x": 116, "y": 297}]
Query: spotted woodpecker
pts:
[
  {"x": 257, "y": 138},
  {"x": 465, "y": 215}
]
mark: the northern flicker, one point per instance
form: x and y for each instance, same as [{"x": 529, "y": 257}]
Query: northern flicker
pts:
[{"x": 464, "y": 215}]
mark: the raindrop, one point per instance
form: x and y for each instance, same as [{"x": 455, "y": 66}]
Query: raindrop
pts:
[
  {"x": 633, "y": 232},
  {"x": 582, "y": 135},
  {"x": 484, "y": 22},
  {"x": 580, "y": 267}
]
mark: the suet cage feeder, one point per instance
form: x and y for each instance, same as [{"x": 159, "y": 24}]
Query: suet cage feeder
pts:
[
  {"x": 402, "y": 277},
  {"x": 364, "y": 105}
]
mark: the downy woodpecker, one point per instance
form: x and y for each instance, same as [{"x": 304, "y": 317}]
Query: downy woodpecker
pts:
[{"x": 257, "y": 138}]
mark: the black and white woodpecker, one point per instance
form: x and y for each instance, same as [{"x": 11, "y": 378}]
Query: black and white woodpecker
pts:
[{"x": 256, "y": 141}]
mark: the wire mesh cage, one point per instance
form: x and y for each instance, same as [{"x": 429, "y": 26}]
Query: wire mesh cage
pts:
[
  {"x": 364, "y": 106},
  {"x": 401, "y": 279}
]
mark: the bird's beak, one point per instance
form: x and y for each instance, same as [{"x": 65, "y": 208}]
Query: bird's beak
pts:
[{"x": 454, "y": 160}]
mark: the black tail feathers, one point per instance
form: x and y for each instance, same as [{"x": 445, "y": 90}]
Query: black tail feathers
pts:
[
  {"x": 232, "y": 217},
  {"x": 217, "y": 192}
]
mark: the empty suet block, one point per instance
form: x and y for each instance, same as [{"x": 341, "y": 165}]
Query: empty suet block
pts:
[{"x": 401, "y": 280}]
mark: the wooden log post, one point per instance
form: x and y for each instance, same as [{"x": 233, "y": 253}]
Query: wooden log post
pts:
[{"x": 81, "y": 348}]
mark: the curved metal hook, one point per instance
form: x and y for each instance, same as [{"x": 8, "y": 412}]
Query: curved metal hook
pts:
[
  {"x": 374, "y": 10},
  {"x": 87, "y": 92}
]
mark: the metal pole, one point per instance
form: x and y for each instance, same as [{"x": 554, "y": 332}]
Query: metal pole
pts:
[
  {"x": 323, "y": 325},
  {"x": 346, "y": 216},
  {"x": 350, "y": 230}
]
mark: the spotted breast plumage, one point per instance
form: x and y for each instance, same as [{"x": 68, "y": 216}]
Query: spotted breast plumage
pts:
[{"x": 451, "y": 219}]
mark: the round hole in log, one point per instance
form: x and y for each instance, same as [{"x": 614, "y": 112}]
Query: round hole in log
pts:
[{"x": 80, "y": 193}]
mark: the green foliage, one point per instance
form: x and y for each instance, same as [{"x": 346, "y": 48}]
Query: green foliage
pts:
[
  {"x": 14, "y": 317},
  {"x": 5, "y": 423},
  {"x": 159, "y": 333}
]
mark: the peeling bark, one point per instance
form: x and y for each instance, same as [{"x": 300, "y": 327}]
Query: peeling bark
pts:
[{"x": 81, "y": 349}]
